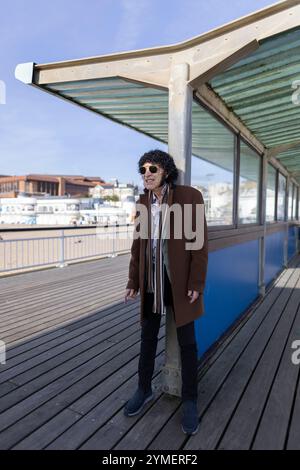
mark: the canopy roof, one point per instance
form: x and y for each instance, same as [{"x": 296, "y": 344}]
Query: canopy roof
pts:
[{"x": 259, "y": 90}]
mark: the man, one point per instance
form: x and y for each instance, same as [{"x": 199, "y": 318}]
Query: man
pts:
[{"x": 167, "y": 271}]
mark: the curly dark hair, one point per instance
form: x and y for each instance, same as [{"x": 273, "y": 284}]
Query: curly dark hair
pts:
[{"x": 164, "y": 160}]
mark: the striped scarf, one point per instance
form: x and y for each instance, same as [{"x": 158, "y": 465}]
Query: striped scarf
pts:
[{"x": 155, "y": 271}]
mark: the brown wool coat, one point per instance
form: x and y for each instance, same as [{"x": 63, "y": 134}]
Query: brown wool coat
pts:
[{"x": 187, "y": 268}]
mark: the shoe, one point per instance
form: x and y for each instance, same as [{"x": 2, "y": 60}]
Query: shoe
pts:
[
  {"x": 189, "y": 421},
  {"x": 135, "y": 405}
]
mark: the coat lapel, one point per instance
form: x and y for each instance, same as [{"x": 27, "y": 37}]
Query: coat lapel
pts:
[
  {"x": 166, "y": 215},
  {"x": 144, "y": 198}
]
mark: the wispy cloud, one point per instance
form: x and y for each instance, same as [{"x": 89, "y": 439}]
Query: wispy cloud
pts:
[{"x": 131, "y": 24}]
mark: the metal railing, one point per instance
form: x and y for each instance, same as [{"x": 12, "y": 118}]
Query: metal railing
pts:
[{"x": 33, "y": 252}]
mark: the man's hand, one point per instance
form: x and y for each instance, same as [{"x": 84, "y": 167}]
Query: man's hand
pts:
[
  {"x": 130, "y": 294},
  {"x": 193, "y": 294}
]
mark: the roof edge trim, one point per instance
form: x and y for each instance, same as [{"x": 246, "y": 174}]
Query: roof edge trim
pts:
[{"x": 24, "y": 72}]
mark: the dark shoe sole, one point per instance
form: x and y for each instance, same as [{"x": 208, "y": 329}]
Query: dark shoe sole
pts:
[
  {"x": 191, "y": 433},
  {"x": 126, "y": 413}
]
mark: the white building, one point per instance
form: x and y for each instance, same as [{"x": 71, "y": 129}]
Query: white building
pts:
[
  {"x": 58, "y": 210},
  {"x": 20, "y": 210}
]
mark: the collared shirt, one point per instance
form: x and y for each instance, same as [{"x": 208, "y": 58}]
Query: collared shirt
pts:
[{"x": 155, "y": 211}]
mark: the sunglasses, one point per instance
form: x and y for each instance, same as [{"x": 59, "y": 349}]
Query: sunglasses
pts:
[{"x": 151, "y": 168}]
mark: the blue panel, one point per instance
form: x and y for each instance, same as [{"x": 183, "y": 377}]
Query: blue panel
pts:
[
  {"x": 292, "y": 242},
  {"x": 232, "y": 284},
  {"x": 274, "y": 255}
]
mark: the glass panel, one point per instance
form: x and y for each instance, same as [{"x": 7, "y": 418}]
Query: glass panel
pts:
[
  {"x": 213, "y": 165},
  {"x": 248, "y": 185},
  {"x": 271, "y": 192},
  {"x": 281, "y": 197},
  {"x": 290, "y": 202},
  {"x": 295, "y": 202}
]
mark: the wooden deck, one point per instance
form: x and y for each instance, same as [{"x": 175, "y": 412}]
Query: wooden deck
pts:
[{"x": 72, "y": 364}]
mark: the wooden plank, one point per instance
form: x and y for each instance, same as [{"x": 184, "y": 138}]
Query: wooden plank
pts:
[
  {"x": 278, "y": 411},
  {"x": 77, "y": 402},
  {"x": 293, "y": 438},
  {"x": 49, "y": 384},
  {"x": 40, "y": 427},
  {"x": 217, "y": 416},
  {"x": 241, "y": 429},
  {"x": 24, "y": 353},
  {"x": 61, "y": 320},
  {"x": 107, "y": 436},
  {"x": 105, "y": 330},
  {"x": 43, "y": 374},
  {"x": 7, "y": 387},
  {"x": 44, "y": 309},
  {"x": 47, "y": 311},
  {"x": 134, "y": 431},
  {"x": 86, "y": 322},
  {"x": 148, "y": 426},
  {"x": 63, "y": 317},
  {"x": 100, "y": 405},
  {"x": 137, "y": 438},
  {"x": 27, "y": 280},
  {"x": 213, "y": 378},
  {"x": 8, "y": 303},
  {"x": 10, "y": 306},
  {"x": 35, "y": 288}
]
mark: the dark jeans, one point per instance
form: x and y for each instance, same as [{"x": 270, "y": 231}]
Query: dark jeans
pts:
[{"x": 186, "y": 340}]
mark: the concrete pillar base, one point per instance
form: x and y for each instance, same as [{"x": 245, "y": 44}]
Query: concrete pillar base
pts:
[{"x": 169, "y": 380}]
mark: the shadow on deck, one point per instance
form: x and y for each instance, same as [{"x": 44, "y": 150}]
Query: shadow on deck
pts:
[{"x": 72, "y": 360}]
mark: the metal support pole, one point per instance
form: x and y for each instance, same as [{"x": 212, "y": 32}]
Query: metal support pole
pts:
[
  {"x": 114, "y": 254},
  {"x": 286, "y": 238},
  {"x": 180, "y": 121},
  {"x": 62, "y": 263},
  {"x": 169, "y": 381},
  {"x": 262, "y": 240},
  {"x": 180, "y": 144}
]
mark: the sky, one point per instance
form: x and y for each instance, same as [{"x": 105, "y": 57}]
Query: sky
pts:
[{"x": 43, "y": 134}]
